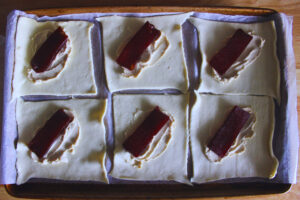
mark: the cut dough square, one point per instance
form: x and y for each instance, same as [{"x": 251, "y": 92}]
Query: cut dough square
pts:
[
  {"x": 259, "y": 77},
  {"x": 168, "y": 160},
  {"x": 80, "y": 156},
  {"x": 255, "y": 158},
  {"x": 167, "y": 72},
  {"x": 77, "y": 75}
]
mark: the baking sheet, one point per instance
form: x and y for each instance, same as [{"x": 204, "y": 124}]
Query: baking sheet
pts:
[{"x": 286, "y": 131}]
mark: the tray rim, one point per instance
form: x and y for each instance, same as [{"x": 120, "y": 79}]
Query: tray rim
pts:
[
  {"x": 154, "y": 9},
  {"x": 251, "y": 11},
  {"x": 125, "y": 191}
]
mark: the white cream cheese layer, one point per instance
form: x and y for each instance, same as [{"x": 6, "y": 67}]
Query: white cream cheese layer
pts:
[
  {"x": 166, "y": 157},
  {"x": 259, "y": 77},
  {"x": 158, "y": 144},
  {"x": 239, "y": 143},
  {"x": 251, "y": 155},
  {"x": 249, "y": 55},
  {"x": 79, "y": 155},
  {"x": 57, "y": 64},
  {"x": 63, "y": 145},
  {"x": 165, "y": 69},
  {"x": 75, "y": 62},
  {"x": 150, "y": 56}
]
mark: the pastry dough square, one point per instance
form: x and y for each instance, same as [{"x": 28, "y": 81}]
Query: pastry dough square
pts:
[
  {"x": 169, "y": 72},
  {"x": 76, "y": 78},
  {"x": 257, "y": 160},
  {"x": 84, "y": 161},
  {"x": 261, "y": 77},
  {"x": 129, "y": 111}
]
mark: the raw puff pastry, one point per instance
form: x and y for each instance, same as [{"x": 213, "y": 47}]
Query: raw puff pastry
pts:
[
  {"x": 261, "y": 77},
  {"x": 78, "y": 67},
  {"x": 85, "y": 162},
  {"x": 257, "y": 160},
  {"x": 168, "y": 72},
  {"x": 172, "y": 163}
]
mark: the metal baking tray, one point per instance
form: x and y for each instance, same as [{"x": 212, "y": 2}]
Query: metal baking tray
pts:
[{"x": 69, "y": 189}]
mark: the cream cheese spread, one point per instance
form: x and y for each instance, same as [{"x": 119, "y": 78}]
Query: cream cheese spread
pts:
[
  {"x": 62, "y": 145},
  {"x": 240, "y": 142},
  {"x": 57, "y": 64},
  {"x": 156, "y": 147},
  {"x": 150, "y": 56},
  {"x": 250, "y": 53}
]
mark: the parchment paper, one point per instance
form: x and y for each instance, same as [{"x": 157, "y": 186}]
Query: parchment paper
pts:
[{"x": 285, "y": 142}]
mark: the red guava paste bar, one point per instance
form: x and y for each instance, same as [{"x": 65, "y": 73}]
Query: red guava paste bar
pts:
[
  {"x": 46, "y": 135},
  {"x": 222, "y": 61},
  {"x": 134, "y": 49},
  {"x": 143, "y": 135},
  {"x": 45, "y": 55},
  {"x": 228, "y": 132}
]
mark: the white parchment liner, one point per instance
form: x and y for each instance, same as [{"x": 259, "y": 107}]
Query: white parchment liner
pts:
[{"x": 285, "y": 141}]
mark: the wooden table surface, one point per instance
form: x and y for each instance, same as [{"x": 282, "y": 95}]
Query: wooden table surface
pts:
[{"x": 289, "y": 7}]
